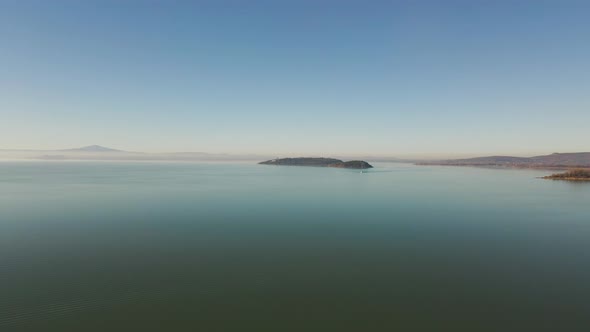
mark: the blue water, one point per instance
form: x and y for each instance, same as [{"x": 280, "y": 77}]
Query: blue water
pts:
[{"x": 105, "y": 246}]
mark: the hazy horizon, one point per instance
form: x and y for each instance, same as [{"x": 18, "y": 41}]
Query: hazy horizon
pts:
[
  {"x": 400, "y": 79},
  {"x": 110, "y": 152}
]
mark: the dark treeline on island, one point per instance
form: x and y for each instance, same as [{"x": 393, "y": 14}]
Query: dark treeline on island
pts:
[
  {"x": 318, "y": 162},
  {"x": 573, "y": 175}
]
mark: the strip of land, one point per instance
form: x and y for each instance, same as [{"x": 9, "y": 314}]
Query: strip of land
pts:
[
  {"x": 552, "y": 161},
  {"x": 574, "y": 175},
  {"x": 318, "y": 162}
]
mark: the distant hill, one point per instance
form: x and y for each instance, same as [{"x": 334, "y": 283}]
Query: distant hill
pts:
[
  {"x": 566, "y": 160},
  {"x": 92, "y": 148},
  {"x": 97, "y": 152}
]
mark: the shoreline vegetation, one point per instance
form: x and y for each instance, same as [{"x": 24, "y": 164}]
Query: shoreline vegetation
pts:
[
  {"x": 573, "y": 175},
  {"x": 318, "y": 162}
]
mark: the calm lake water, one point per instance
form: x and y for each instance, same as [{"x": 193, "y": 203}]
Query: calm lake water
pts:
[{"x": 101, "y": 246}]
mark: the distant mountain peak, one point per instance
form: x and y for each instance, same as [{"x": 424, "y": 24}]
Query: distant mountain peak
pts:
[{"x": 93, "y": 148}]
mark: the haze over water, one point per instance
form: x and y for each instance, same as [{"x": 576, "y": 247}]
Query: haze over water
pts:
[
  {"x": 105, "y": 246},
  {"x": 232, "y": 246}
]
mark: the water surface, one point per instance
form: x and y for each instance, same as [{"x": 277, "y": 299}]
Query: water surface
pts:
[{"x": 105, "y": 246}]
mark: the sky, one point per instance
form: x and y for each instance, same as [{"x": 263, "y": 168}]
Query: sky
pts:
[{"x": 317, "y": 77}]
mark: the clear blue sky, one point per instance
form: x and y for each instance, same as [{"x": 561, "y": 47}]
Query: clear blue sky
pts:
[{"x": 315, "y": 77}]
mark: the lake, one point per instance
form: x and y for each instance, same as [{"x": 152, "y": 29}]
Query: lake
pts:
[{"x": 124, "y": 246}]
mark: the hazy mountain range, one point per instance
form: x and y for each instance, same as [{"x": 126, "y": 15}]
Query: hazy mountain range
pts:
[
  {"x": 97, "y": 152},
  {"x": 567, "y": 160}
]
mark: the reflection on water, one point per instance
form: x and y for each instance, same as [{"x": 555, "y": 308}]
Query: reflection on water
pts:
[{"x": 239, "y": 247}]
